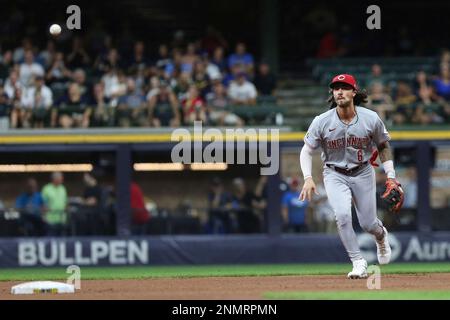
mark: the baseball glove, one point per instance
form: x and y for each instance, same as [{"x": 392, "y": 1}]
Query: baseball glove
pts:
[{"x": 393, "y": 196}]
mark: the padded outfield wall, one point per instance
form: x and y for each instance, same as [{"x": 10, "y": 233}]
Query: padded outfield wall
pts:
[{"x": 198, "y": 250}]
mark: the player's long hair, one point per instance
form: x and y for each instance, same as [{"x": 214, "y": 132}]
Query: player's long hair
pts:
[{"x": 359, "y": 99}]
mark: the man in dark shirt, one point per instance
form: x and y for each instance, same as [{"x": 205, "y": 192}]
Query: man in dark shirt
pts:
[
  {"x": 219, "y": 201},
  {"x": 265, "y": 81},
  {"x": 242, "y": 205}
]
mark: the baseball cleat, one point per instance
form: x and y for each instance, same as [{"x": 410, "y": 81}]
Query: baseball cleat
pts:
[
  {"x": 383, "y": 249},
  {"x": 359, "y": 270}
]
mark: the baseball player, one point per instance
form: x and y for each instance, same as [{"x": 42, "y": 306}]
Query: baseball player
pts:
[{"x": 347, "y": 134}]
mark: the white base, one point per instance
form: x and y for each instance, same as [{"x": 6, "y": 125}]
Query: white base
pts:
[{"x": 36, "y": 287}]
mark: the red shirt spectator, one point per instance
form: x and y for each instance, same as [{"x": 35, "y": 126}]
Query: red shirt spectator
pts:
[
  {"x": 140, "y": 213},
  {"x": 194, "y": 106},
  {"x": 327, "y": 46}
]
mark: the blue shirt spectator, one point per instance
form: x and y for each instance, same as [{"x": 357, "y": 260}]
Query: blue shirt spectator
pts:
[
  {"x": 442, "y": 84},
  {"x": 241, "y": 57},
  {"x": 294, "y": 210},
  {"x": 442, "y": 89},
  {"x": 31, "y": 200},
  {"x": 132, "y": 100}
]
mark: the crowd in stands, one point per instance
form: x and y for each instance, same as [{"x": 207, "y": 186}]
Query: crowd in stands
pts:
[
  {"x": 423, "y": 101},
  {"x": 99, "y": 86}
]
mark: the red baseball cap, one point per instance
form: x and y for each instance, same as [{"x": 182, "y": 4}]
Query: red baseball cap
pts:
[{"x": 344, "y": 78}]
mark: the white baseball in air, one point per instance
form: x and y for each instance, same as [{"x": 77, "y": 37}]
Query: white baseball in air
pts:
[{"x": 55, "y": 29}]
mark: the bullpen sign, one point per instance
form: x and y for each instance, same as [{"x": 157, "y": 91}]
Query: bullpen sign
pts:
[{"x": 204, "y": 249}]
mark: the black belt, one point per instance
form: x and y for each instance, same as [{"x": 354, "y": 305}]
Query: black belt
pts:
[{"x": 347, "y": 172}]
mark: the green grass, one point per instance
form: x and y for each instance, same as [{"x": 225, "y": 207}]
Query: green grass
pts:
[
  {"x": 360, "y": 295},
  {"x": 102, "y": 273}
]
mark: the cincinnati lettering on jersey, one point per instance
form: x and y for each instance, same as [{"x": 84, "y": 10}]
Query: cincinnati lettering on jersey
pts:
[{"x": 352, "y": 141}]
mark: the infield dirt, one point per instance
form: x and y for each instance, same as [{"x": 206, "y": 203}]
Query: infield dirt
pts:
[{"x": 223, "y": 288}]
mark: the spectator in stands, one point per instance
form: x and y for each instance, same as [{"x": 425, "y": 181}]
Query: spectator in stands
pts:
[
  {"x": 31, "y": 206},
  {"x": 240, "y": 56},
  {"x": 176, "y": 66},
  {"x": 163, "y": 108},
  {"x": 219, "y": 202},
  {"x": 442, "y": 84},
  {"x": 379, "y": 101},
  {"x": 47, "y": 56},
  {"x": 140, "y": 78},
  {"x": 242, "y": 204},
  {"x": 201, "y": 79},
  {"x": 78, "y": 57},
  {"x": 181, "y": 87},
  {"x": 55, "y": 198},
  {"x": 219, "y": 60},
  {"x": 6, "y": 64},
  {"x": 194, "y": 107},
  {"x": 190, "y": 58},
  {"x": 163, "y": 58},
  {"x": 421, "y": 82},
  {"x": 105, "y": 64},
  {"x": 58, "y": 75},
  {"x": 232, "y": 75},
  {"x": 29, "y": 69},
  {"x": 131, "y": 107},
  {"x": 19, "y": 115},
  {"x": 38, "y": 100},
  {"x": 328, "y": 46},
  {"x": 404, "y": 103},
  {"x": 72, "y": 110},
  {"x": 154, "y": 87},
  {"x": 430, "y": 109},
  {"x": 5, "y": 110},
  {"x": 110, "y": 80},
  {"x": 19, "y": 52},
  {"x": 138, "y": 61},
  {"x": 265, "y": 80},
  {"x": 102, "y": 112},
  {"x": 212, "y": 70},
  {"x": 293, "y": 210},
  {"x": 445, "y": 57},
  {"x": 119, "y": 88},
  {"x": 217, "y": 102},
  {"x": 101, "y": 41},
  {"x": 376, "y": 76},
  {"x": 242, "y": 92},
  {"x": 12, "y": 83},
  {"x": 79, "y": 77}
]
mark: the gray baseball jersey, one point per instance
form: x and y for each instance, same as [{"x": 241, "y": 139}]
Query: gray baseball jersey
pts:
[{"x": 346, "y": 145}]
